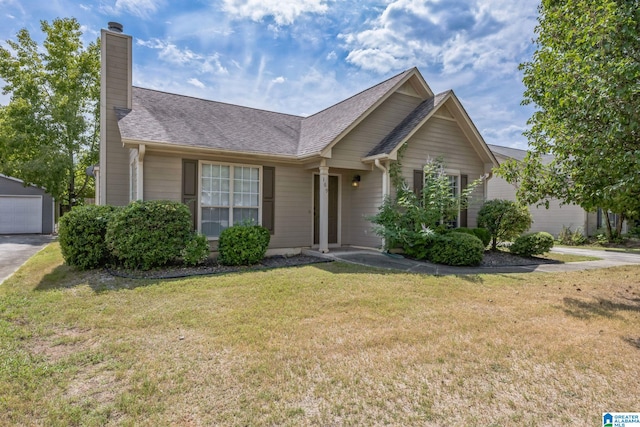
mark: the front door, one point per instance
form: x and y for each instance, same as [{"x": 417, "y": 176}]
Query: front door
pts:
[{"x": 333, "y": 209}]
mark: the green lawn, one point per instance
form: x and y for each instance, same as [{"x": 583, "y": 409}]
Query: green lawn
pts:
[{"x": 328, "y": 344}]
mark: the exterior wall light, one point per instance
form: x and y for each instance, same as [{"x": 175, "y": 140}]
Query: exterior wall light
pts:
[{"x": 355, "y": 182}]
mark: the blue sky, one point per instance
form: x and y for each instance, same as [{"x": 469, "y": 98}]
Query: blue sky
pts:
[{"x": 301, "y": 56}]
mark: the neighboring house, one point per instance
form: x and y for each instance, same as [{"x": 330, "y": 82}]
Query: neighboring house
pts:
[
  {"x": 312, "y": 181},
  {"x": 24, "y": 209},
  {"x": 551, "y": 220}
]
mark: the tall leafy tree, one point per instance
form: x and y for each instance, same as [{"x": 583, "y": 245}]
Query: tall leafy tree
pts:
[
  {"x": 584, "y": 79},
  {"x": 49, "y": 130}
]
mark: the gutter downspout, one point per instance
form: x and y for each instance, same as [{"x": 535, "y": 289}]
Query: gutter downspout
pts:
[
  {"x": 385, "y": 178},
  {"x": 385, "y": 187}
]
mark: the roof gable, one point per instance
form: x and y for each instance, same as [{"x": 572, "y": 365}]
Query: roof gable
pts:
[
  {"x": 422, "y": 113},
  {"x": 324, "y": 129},
  {"x": 408, "y": 126}
]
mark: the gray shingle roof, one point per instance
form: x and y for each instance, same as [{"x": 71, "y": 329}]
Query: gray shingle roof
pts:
[
  {"x": 186, "y": 121},
  {"x": 182, "y": 120},
  {"x": 515, "y": 153},
  {"x": 400, "y": 132}
]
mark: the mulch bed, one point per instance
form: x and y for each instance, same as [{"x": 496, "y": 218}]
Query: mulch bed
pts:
[
  {"x": 212, "y": 267},
  {"x": 505, "y": 259},
  {"x": 491, "y": 259}
]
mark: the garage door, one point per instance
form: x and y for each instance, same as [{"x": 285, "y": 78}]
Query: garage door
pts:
[{"x": 20, "y": 214}]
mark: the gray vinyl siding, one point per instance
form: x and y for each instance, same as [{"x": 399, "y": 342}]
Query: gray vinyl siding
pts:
[
  {"x": 550, "y": 220},
  {"x": 114, "y": 159},
  {"x": 293, "y": 207},
  {"x": 364, "y": 137},
  {"x": 363, "y": 202},
  {"x": 443, "y": 138},
  {"x": 162, "y": 177}
]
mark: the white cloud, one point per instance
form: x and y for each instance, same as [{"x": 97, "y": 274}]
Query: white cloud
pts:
[
  {"x": 195, "y": 82},
  {"x": 172, "y": 54},
  {"x": 278, "y": 80},
  {"x": 332, "y": 56},
  {"x": 140, "y": 8},
  {"x": 484, "y": 35},
  {"x": 169, "y": 52},
  {"x": 284, "y": 12}
]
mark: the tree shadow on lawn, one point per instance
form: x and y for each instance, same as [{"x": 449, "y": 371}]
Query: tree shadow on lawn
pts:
[
  {"x": 600, "y": 307},
  {"x": 604, "y": 308},
  {"x": 116, "y": 279},
  {"x": 65, "y": 277}
]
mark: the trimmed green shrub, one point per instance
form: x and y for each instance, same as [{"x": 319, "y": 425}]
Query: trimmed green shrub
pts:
[
  {"x": 482, "y": 234},
  {"x": 464, "y": 230},
  {"x": 418, "y": 243},
  {"x": 505, "y": 220},
  {"x": 81, "y": 234},
  {"x": 197, "y": 250},
  {"x": 147, "y": 234},
  {"x": 532, "y": 244},
  {"x": 456, "y": 249},
  {"x": 243, "y": 245}
]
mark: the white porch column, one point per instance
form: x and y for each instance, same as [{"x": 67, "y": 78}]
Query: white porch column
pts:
[
  {"x": 140, "y": 171},
  {"x": 323, "y": 226}
]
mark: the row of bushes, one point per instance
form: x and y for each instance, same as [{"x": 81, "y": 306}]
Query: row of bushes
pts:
[
  {"x": 148, "y": 234},
  {"x": 463, "y": 246}
]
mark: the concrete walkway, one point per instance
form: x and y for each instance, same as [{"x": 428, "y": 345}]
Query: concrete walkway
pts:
[
  {"x": 372, "y": 258},
  {"x": 15, "y": 250}
]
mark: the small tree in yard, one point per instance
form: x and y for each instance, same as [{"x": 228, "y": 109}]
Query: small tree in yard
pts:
[
  {"x": 504, "y": 219},
  {"x": 408, "y": 220},
  {"x": 49, "y": 130}
]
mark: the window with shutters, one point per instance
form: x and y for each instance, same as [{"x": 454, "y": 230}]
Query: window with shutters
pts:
[
  {"x": 229, "y": 195},
  {"x": 456, "y": 183}
]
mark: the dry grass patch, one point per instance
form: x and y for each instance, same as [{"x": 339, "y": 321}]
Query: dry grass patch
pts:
[{"x": 328, "y": 344}]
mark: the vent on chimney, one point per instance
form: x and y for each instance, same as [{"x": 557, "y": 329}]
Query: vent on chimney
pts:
[{"x": 116, "y": 27}]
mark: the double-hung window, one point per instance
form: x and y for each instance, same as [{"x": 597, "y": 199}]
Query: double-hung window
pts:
[
  {"x": 454, "y": 185},
  {"x": 229, "y": 195}
]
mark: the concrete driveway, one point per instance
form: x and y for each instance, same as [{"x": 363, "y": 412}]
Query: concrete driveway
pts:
[{"x": 15, "y": 250}]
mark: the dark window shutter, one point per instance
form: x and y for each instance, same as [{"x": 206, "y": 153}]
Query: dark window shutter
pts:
[
  {"x": 418, "y": 182},
  {"x": 268, "y": 197},
  {"x": 464, "y": 180},
  {"x": 190, "y": 188}
]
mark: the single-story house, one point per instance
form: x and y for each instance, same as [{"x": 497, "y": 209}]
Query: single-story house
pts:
[
  {"x": 551, "y": 220},
  {"x": 25, "y": 209},
  {"x": 312, "y": 181}
]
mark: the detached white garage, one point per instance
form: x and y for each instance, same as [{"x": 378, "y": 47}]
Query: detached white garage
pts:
[{"x": 24, "y": 210}]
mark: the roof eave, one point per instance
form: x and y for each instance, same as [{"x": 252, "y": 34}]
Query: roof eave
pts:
[
  {"x": 384, "y": 156},
  {"x": 479, "y": 140},
  {"x": 167, "y": 147}
]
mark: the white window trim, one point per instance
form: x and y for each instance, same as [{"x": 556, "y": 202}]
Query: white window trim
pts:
[{"x": 231, "y": 165}]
